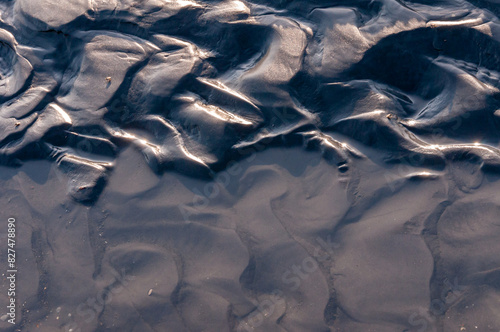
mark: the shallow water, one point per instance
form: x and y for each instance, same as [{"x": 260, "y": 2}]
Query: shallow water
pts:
[{"x": 250, "y": 166}]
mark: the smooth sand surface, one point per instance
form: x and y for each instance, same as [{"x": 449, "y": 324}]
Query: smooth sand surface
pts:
[{"x": 250, "y": 166}]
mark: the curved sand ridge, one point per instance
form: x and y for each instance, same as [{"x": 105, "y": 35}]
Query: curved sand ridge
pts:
[
  {"x": 191, "y": 83},
  {"x": 391, "y": 227}
]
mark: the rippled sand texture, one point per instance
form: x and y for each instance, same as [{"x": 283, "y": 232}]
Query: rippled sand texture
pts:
[{"x": 252, "y": 166}]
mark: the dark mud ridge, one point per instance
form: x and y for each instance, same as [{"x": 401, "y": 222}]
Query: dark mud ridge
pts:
[{"x": 252, "y": 166}]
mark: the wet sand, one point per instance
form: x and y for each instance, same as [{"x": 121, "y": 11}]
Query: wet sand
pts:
[{"x": 250, "y": 166}]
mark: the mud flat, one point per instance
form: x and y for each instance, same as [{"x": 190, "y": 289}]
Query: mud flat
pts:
[{"x": 250, "y": 166}]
